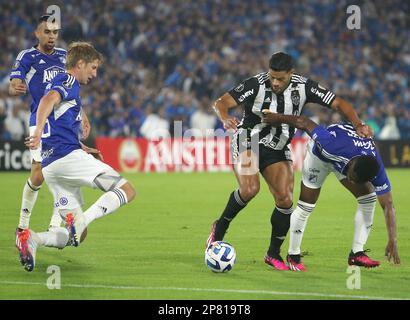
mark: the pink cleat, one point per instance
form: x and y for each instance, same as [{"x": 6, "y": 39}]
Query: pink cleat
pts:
[
  {"x": 278, "y": 264},
  {"x": 295, "y": 263},
  {"x": 362, "y": 260},
  {"x": 211, "y": 237}
]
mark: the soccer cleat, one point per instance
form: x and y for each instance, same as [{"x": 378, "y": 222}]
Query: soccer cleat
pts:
[
  {"x": 295, "y": 263},
  {"x": 276, "y": 262},
  {"x": 72, "y": 232},
  {"x": 362, "y": 260},
  {"x": 27, "y": 248},
  {"x": 211, "y": 237}
]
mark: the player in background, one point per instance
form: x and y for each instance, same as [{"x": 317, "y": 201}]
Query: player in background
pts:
[
  {"x": 65, "y": 166},
  {"x": 33, "y": 70},
  {"x": 359, "y": 167},
  {"x": 283, "y": 91}
]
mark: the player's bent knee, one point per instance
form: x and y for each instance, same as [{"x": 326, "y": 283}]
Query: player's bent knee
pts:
[
  {"x": 249, "y": 192},
  {"x": 129, "y": 190},
  {"x": 284, "y": 200}
]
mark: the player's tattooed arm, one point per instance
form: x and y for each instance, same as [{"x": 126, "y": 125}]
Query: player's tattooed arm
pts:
[
  {"x": 300, "y": 122},
  {"x": 45, "y": 107},
  {"x": 221, "y": 107},
  {"x": 346, "y": 109},
  {"x": 17, "y": 87},
  {"x": 386, "y": 202}
]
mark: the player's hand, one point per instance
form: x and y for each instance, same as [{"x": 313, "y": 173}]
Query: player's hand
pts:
[
  {"x": 86, "y": 128},
  {"x": 33, "y": 142},
  {"x": 364, "y": 131},
  {"x": 20, "y": 88},
  {"x": 230, "y": 123},
  {"x": 94, "y": 152},
  {"x": 269, "y": 116},
  {"x": 391, "y": 252}
]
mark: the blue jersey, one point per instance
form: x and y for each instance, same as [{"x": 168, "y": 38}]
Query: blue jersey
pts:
[
  {"x": 62, "y": 129},
  {"x": 339, "y": 143},
  {"x": 37, "y": 69}
]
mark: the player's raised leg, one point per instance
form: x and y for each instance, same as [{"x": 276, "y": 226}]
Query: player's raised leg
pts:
[
  {"x": 247, "y": 175},
  {"x": 279, "y": 177},
  {"x": 106, "y": 204},
  {"x": 366, "y": 204}
]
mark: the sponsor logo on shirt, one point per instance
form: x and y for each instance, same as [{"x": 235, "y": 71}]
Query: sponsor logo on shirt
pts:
[
  {"x": 381, "y": 188},
  {"x": 363, "y": 144},
  {"x": 317, "y": 92},
  {"x": 50, "y": 73},
  {"x": 245, "y": 95}
]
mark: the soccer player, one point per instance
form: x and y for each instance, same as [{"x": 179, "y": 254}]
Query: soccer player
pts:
[
  {"x": 33, "y": 70},
  {"x": 279, "y": 90},
  {"x": 358, "y": 166},
  {"x": 65, "y": 166}
]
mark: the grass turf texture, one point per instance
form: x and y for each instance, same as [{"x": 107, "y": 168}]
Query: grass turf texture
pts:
[{"x": 154, "y": 247}]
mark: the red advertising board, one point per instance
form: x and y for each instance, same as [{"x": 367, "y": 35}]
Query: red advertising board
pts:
[{"x": 176, "y": 155}]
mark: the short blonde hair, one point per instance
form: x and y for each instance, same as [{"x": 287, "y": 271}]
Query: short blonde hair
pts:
[{"x": 81, "y": 51}]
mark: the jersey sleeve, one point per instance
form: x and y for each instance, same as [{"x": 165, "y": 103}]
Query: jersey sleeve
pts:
[
  {"x": 322, "y": 137},
  {"x": 381, "y": 182},
  {"x": 245, "y": 91},
  {"x": 315, "y": 93},
  {"x": 66, "y": 86},
  {"x": 21, "y": 67}
]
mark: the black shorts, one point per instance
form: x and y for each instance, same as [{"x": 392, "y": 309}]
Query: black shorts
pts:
[{"x": 241, "y": 141}]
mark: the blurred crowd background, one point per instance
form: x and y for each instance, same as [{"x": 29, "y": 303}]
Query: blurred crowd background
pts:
[{"x": 168, "y": 60}]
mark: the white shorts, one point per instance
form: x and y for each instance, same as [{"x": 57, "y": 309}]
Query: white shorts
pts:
[
  {"x": 36, "y": 153},
  {"x": 67, "y": 175},
  {"x": 315, "y": 171}
]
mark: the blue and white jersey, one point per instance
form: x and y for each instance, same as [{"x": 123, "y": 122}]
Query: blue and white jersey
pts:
[
  {"x": 61, "y": 132},
  {"x": 37, "y": 69},
  {"x": 339, "y": 143}
]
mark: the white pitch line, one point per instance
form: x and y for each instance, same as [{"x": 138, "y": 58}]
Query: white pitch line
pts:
[{"x": 274, "y": 293}]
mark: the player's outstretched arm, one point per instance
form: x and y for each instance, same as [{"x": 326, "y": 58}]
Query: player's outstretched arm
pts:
[
  {"x": 346, "y": 109},
  {"x": 221, "y": 107},
  {"x": 300, "y": 122},
  {"x": 386, "y": 202},
  {"x": 17, "y": 87},
  {"x": 45, "y": 107}
]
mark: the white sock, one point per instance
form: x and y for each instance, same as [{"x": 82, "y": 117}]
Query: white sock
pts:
[
  {"x": 363, "y": 221},
  {"x": 55, "y": 237},
  {"x": 298, "y": 221},
  {"x": 106, "y": 204},
  {"x": 55, "y": 219},
  {"x": 30, "y": 193}
]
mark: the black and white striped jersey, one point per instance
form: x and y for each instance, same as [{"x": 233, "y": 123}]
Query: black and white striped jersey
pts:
[{"x": 255, "y": 94}]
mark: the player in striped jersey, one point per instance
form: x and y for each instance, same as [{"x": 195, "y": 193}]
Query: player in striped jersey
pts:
[
  {"x": 33, "y": 70},
  {"x": 358, "y": 166},
  {"x": 278, "y": 90}
]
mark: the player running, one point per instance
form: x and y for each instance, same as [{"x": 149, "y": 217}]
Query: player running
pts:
[
  {"x": 358, "y": 166},
  {"x": 33, "y": 70},
  {"x": 65, "y": 166},
  {"x": 279, "y": 90}
]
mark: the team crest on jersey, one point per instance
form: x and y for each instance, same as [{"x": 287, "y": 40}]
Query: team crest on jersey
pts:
[
  {"x": 50, "y": 73},
  {"x": 295, "y": 96},
  {"x": 240, "y": 87},
  {"x": 62, "y": 59},
  {"x": 16, "y": 65}
]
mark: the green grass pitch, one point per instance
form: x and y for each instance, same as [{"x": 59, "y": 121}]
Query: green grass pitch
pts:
[{"x": 154, "y": 247}]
